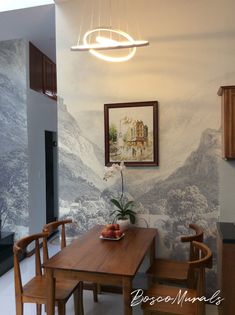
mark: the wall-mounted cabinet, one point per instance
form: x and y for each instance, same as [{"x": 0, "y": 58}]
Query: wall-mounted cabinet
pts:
[
  {"x": 226, "y": 265},
  {"x": 228, "y": 120},
  {"x": 42, "y": 72}
]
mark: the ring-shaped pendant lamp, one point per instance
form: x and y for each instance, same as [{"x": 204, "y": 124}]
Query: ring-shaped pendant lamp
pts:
[{"x": 107, "y": 43}]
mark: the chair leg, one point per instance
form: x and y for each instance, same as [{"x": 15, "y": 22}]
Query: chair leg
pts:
[
  {"x": 61, "y": 308},
  {"x": 95, "y": 292},
  {"x": 78, "y": 300},
  {"x": 39, "y": 309},
  {"x": 98, "y": 288},
  {"x": 19, "y": 307}
]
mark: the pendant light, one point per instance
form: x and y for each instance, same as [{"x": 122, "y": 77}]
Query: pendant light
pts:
[{"x": 96, "y": 40}]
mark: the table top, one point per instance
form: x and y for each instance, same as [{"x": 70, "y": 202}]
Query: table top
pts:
[{"x": 89, "y": 253}]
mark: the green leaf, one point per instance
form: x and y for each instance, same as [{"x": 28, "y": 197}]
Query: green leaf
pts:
[
  {"x": 128, "y": 204},
  {"x": 116, "y": 203},
  {"x": 120, "y": 216},
  {"x": 131, "y": 215},
  {"x": 130, "y": 212},
  {"x": 112, "y": 213},
  {"x": 132, "y": 218}
]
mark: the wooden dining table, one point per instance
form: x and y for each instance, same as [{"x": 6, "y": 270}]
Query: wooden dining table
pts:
[{"x": 107, "y": 262}]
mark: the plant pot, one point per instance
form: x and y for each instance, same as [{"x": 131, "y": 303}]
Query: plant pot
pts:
[{"x": 124, "y": 224}]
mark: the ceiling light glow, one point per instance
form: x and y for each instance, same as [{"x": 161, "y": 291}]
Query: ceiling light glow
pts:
[{"x": 107, "y": 43}]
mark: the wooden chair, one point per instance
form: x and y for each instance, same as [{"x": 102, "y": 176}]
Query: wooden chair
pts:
[
  {"x": 197, "y": 267},
  {"x": 176, "y": 271},
  {"x": 34, "y": 291},
  {"x": 53, "y": 227}
]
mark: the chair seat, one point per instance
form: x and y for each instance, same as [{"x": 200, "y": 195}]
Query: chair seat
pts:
[
  {"x": 36, "y": 288},
  {"x": 158, "y": 290},
  {"x": 170, "y": 270}
]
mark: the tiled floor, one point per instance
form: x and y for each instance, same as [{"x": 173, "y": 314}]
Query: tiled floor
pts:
[{"x": 109, "y": 304}]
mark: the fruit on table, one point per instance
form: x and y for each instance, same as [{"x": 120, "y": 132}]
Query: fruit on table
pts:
[
  {"x": 118, "y": 233},
  {"x": 112, "y": 226},
  {"x": 111, "y": 231}
]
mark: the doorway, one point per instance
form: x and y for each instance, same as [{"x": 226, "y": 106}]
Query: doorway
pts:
[{"x": 51, "y": 165}]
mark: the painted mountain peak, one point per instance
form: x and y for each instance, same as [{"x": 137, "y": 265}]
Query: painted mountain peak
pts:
[
  {"x": 80, "y": 169},
  {"x": 199, "y": 170}
]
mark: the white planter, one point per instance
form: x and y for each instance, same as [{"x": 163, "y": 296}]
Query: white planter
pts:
[{"x": 124, "y": 224}]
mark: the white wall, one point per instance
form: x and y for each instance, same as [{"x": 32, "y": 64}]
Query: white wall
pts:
[{"x": 42, "y": 115}]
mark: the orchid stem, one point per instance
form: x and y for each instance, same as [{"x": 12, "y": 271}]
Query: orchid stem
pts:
[{"x": 122, "y": 187}]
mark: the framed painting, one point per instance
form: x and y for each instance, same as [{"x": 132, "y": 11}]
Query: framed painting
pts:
[{"x": 131, "y": 133}]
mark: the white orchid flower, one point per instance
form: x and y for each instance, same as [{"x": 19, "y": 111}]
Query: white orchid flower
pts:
[
  {"x": 122, "y": 166},
  {"x": 113, "y": 170}
]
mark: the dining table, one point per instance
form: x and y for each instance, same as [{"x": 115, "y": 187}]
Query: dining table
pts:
[{"x": 108, "y": 262}]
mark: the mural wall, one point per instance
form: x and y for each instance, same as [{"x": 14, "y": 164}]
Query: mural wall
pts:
[
  {"x": 186, "y": 62},
  {"x": 13, "y": 137}
]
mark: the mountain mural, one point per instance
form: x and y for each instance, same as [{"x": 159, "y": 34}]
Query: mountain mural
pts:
[
  {"x": 12, "y": 101},
  {"x": 200, "y": 169},
  {"x": 13, "y": 185},
  {"x": 80, "y": 167},
  {"x": 13, "y": 138},
  {"x": 189, "y": 194}
]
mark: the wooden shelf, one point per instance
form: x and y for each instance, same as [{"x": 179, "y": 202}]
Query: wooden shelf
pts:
[
  {"x": 42, "y": 73},
  {"x": 227, "y": 94}
]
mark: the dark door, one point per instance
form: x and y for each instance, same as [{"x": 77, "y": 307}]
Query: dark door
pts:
[{"x": 51, "y": 176}]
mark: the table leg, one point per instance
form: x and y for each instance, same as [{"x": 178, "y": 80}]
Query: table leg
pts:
[
  {"x": 127, "y": 288},
  {"x": 78, "y": 299},
  {"x": 152, "y": 252},
  {"x": 50, "y": 305}
]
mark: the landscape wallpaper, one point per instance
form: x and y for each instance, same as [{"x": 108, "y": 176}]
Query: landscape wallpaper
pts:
[
  {"x": 13, "y": 140},
  {"x": 186, "y": 62},
  {"x": 169, "y": 202}
]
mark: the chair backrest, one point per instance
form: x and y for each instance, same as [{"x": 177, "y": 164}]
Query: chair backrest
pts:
[
  {"x": 197, "y": 237},
  {"x": 19, "y": 248},
  {"x": 52, "y": 227},
  {"x": 197, "y": 267}
]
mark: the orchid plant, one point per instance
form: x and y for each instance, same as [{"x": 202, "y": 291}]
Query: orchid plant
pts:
[{"x": 124, "y": 206}]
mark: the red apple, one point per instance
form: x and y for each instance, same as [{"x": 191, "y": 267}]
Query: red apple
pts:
[
  {"x": 105, "y": 233},
  {"x": 109, "y": 227},
  {"x": 118, "y": 233},
  {"x": 112, "y": 226},
  {"x": 111, "y": 234},
  {"x": 116, "y": 226}
]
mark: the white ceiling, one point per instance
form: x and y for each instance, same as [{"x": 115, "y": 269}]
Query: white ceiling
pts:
[
  {"x": 20, "y": 4},
  {"x": 35, "y": 24}
]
